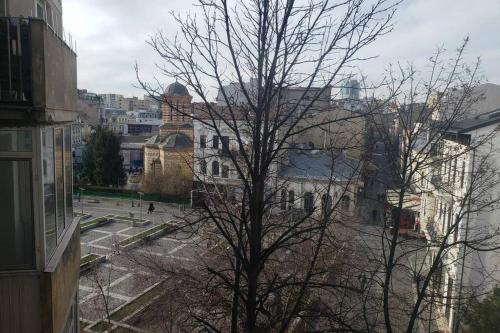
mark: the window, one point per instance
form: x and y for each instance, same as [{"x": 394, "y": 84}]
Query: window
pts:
[
  {"x": 215, "y": 168},
  {"x": 454, "y": 171},
  {"x": 203, "y": 141},
  {"x": 57, "y": 184},
  {"x": 59, "y": 163},
  {"x": 291, "y": 199},
  {"x": 49, "y": 192},
  {"x": 326, "y": 203},
  {"x": 68, "y": 176},
  {"x": 49, "y": 15},
  {"x": 283, "y": 200},
  {"x": 225, "y": 144},
  {"x": 16, "y": 140},
  {"x": 225, "y": 171},
  {"x": 40, "y": 11},
  {"x": 215, "y": 142},
  {"x": 16, "y": 227},
  {"x": 203, "y": 167},
  {"x": 308, "y": 202}
]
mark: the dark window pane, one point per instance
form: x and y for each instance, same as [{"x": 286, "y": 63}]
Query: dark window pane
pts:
[
  {"x": 215, "y": 142},
  {"x": 16, "y": 224},
  {"x": 49, "y": 193},
  {"x": 16, "y": 140},
  {"x": 59, "y": 163},
  {"x": 203, "y": 141},
  {"x": 68, "y": 175}
]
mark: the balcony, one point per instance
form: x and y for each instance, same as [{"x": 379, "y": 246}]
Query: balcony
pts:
[{"x": 37, "y": 72}]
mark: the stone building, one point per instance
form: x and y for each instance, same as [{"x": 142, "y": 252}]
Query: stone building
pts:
[{"x": 172, "y": 149}]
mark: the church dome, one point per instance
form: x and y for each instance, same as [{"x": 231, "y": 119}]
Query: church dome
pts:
[
  {"x": 176, "y": 89},
  {"x": 177, "y": 140}
]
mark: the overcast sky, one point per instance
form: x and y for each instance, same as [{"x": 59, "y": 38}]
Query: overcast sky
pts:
[{"x": 111, "y": 35}]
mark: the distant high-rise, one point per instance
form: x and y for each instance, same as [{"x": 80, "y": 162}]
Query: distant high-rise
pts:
[
  {"x": 39, "y": 238},
  {"x": 350, "y": 89}
]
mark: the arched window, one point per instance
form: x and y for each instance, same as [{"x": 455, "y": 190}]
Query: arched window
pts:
[
  {"x": 203, "y": 167},
  {"x": 225, "y": 171},
  {"x": 291, "y": 199},
  {"x": 326, "y": 203},
  {"x": 215, "y": 168},
  {"x": 308, "y": 202},
  {"x": 283, "y": 199}
]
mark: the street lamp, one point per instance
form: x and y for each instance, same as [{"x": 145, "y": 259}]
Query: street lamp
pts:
[
  {"x": 80, "y": 197},
  {"x": 140, "y": 201}
]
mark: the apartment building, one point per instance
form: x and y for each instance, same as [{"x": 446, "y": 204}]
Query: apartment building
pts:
[
  {"x": 39, "y": 238},
  {"x": 451, "y": 204},
  {"x": 303, "y": 172}
]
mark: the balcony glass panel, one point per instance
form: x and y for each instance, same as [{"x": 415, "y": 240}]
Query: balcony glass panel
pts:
[
  {"x": 16, "y": 224},
  {"x": 16, "y": 141},
  {"x": 49, "y": 192}
]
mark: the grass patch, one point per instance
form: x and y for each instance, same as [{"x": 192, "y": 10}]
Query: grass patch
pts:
[
  {"x": 144, "y": 234},
  {"x": 95, "y": 221},
  {"x": 102, "y": 326},
  {"x": 140, "y": 301},
  {"x": 88, "y": 258}
]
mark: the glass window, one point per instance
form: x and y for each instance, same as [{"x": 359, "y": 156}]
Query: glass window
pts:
[
  {"x": 16, "y": 140},
  {"x": 49, "y": 192},
  {"x": 203, "y": 141},
  {"x": 68, "y": 175},
  {"x": 308, "y": 202},
  {"x": 215, "y": 168},
  {"x": 59, "y": 163},
  {"x": 203, "y": 167},
  {"x": 16, "y": 224},
  {"x": 225, "y": 171},
  {"x": 291, "y": 199},
  {"x": 215, "y": 142}
]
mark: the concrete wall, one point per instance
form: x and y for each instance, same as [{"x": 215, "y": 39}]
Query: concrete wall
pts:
[
  {"x": 53, "y": 76},
  {"x": 20, "y": 299},
  {"x": 59, "y": 287}
]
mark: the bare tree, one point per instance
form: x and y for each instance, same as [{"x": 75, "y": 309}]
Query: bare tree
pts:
[{"x": 269, "y": 259}]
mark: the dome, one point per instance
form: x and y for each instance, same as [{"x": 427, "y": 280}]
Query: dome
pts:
[
  {"x": 176, "y": 89},
  {"x": 177, "y": 140}
]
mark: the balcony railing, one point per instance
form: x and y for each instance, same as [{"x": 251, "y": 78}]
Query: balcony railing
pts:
[{"x": 15, "y": 60}]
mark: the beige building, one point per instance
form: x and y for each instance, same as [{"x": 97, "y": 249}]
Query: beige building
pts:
[
  {"x": 39, "y": 238},
  {"x": 171, "y": 151}
]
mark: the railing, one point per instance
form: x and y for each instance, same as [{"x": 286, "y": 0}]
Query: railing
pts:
[{"x": 15, "y": 60}]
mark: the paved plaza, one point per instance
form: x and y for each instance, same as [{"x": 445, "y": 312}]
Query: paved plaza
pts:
[{"x": 122, "y": 278}]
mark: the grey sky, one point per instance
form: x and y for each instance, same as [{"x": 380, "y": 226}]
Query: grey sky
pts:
[{"x": 111, "y": 34}]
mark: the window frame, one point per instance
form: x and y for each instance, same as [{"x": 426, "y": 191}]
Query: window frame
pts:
[{"x": 31, "y": 156}]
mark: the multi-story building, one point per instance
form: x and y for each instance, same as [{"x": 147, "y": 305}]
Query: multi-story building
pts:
[
  {"x": 116, "y": 120},
  {"x": 114, "y": 101},
  {"x": 451, "y": 206},
  {"x": 215, "y": 153},
  {"x": 39, "y": 238}
]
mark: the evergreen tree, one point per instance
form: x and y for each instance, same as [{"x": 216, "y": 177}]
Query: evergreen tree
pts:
[
  {"x": 102, "y": 162},
  {"x": 484, "y": 316}
]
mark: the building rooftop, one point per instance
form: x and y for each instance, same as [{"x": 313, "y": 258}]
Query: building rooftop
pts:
[
  {"x": 482, "y": 120},
  {"x": 176, "y": 140},
  {"x": 176, "y": 89},
  {"x": 318, "y": 165}
]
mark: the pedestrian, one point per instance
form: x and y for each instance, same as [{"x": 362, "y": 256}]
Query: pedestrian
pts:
[{"x": 151, "y": 208}]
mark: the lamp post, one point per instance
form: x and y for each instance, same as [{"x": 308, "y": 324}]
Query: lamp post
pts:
[
  {"x": 140, "y": 201},
  {"x": 81, "y": 191}
]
